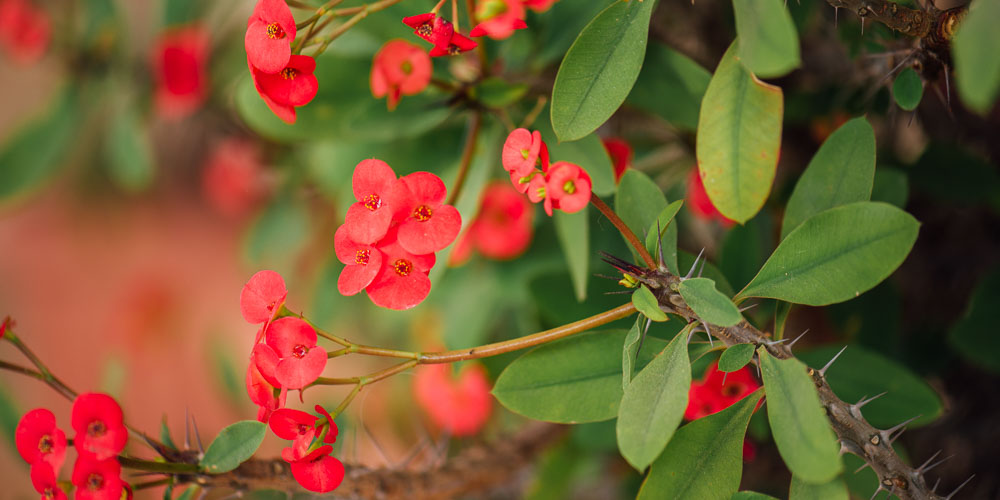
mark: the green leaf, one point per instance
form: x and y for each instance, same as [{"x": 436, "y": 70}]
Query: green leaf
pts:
[
  {"x": 798, "y": 421},
  {"x": 234, "y": 445},
  {"x": 736, "y": 357},
  {"x": 704, "y": 460},
  {"x": 34, "y": 153},
  {"x": 834, "y": 489},
  {"x": 600, "y": 68},
  {"x": 654, "y": 404},
  {"x": 859, "y": 373},
  {"x": 739, "y": 133},
  {"x": 129, "y": 152},
  {"x": 573, "y": 231},
  {"x": 750, "y": 495},
  {"x": 977, "y": 67},
  {"x": 836, "y": 255},
  {"x": 711, "y": 305},
  {"x": 768, "y": 42},
  {"x": 190, "y": 492},
  {"x": 165, "y": 434},
  {"x": 781, "y": 311},
  {"x": 667, "y": 236},
  {"x": 630, "y": 349},
  {"x": 841, "y": 172},
  {"x": 646, "y": 303},
  {"x": 974, "y": 335},
  {"x": 180, "y": 11},
  {"x": 670, "y": 85},
  {"x": 908, "y": 89},
  {"x": 572, "y": 380},
  {"x": 496, "y": 93},
  {"x": 637, "y": 202}
]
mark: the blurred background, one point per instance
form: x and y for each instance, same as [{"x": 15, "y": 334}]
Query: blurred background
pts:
[{"x": 142, "y": 182}]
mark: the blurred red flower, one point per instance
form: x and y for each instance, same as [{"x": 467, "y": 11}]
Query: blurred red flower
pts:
[
  {"x": 179, "y": 60},
  {"x": 699, "y": 203},
  {"x": 501, "y": 230},
  {"x": 43, "y": 478},
  {"x": 498, "y": 19},
  {"x": 460, "y": 406},
  {"x": 25, "y": 30},
  {"x": 233, "y": 176},
  {"x": 621, "y": 154},
  {"x": 718, "y": 390},
  {"x": 399, "y": 68}
]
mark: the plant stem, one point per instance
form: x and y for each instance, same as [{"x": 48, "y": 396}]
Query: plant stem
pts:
[
  {"x": 340, "y": 30},
  {"x": 624, "y": 229},
  {"x": 161, "y": 467},
  {"x": 529, "y": 119},
  {"x": 320, "y": 12},
  {"x": 44, "y": 374},
  {"x": 369, "y": 379},
  {"x": 529, "y": 340},
  {"x": 475, "y": 123}
]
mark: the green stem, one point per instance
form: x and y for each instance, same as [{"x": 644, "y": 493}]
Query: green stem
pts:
[
  {"x": 161, "y": 467},
  {"x": 475, "y": 123},
  {"x": 624, "y": 229},
  {"x": 340, "y": 30}
]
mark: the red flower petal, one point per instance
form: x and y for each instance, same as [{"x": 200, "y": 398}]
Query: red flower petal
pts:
[
  {"x": 393, "y": 290},
  {"x": 372, "y": 177},
  {"x": 363, "y": 263},
  {"x": 321, "y": 475},
  {"x": 286, "y": 334},
  {"x": 294, "y": 85},
  {"x": 43, "y": 478},
  {"x": 296, "y": 372},
  {"x": 97, "y": 479},
  {"x": 287, "y": 423},
  {"x": 262, "y": 296},
  {"x": 419, "y": 19},
  {"x": 38, "y": 439},
  {"x": 265, "y": 359},
  {"x": 270, "y": 31},
  {"x": 434, "y": 233},
  {"x": 97, "y": 420},
  {"x": 261, "y": 391}
]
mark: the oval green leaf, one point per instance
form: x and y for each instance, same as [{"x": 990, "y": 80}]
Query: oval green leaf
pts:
[
  {"x": 234, "y": 445},
  {"x": 637, "y": 202},
  {"x": 768, "y": 42},
  {"x": 654, "y": 404},
  {"x": 739, "y": 132},
  {"x": 859, "y": 373},
  {"x": 804, "y": 490},
  {"x": 630, "y": 348},
  {"x": 836, "y": 255},
  {"x": 841, "y": 172},
  {"x": 667, "y": 236},
  {"x": 977, "y": 67},
  {"x": 736, "y": 357},
  {"x": 570, "y": 381},
  {"x": 704, "y": 460},
  {"x": 646, "y": 303},
  {"x": 711, "y": 305},
  {"x": 573, "y": 231},
  {"x": 600, "y": 68},
  {"x": 798, "y": 421},
  {"x": 908, "y": 89}
]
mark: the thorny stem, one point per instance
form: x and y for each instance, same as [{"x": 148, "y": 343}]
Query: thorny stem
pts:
[
  {"x": 934, "y": 27},
  {"x": 43, "y": 371},
  {"x": 475, "y": 122},
  {"x": 624, "y": 229}
]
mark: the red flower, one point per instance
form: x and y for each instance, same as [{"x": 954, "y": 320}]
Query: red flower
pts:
[
  {"x": 374, "y": 185},
  {"x": 426, "y": 224},
  {"x": 499, "y": 18},
  {"x": 432, "y": 28},
  {"x": 621, "y": 154},
  {"x": 262, "y": 392},
  {"x": 501, "y": 230},
  {"x": 402, "y": 281},
  {"x": 290, "y": 355},
  {"x": 293, "y": 86},
  {"x": 290, "y": 424},
  {"x": 521, "y": 153},
  {"x": 97, "y": 479},
  {"x": 309, "y": 458},
  {"x": 179, "y": 59},
  {"x": 699, "y": 203},
  {"x": 400, "y": 68},
  {"x": 568, "y": 186},
  {"x": 710, "y": 395},
  {"x": 538, "y": 5},
  {"x": 98, "y": 422},
  {"x": 316, "y": 470},
  {"x": 262, "y": 297},
  {"x": 39, "y": 440},
  {"x": 25, "y": 31},
  {"x": 461, "y": 406},
  {"x": 43, "y": 478},
  {"x": 270, "y": 31},
  {"x": 233, "y": 176},
  {"x": 457, "y": 44},
  {"x": 363, "y": 262}
]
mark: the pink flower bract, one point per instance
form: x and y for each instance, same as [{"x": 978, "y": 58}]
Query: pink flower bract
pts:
[
  {"x": 458, "y": 44},
  {"x": 299, "y": 360},
  {"x": 374, "y": 185},
  {"x": 38, "y": 439},
  {"x": 402, "y": 281},
  {"x": 43, "y": 478},
  {"x": 568, "y": 186},
  {"x": 270, "y": 31},
  {"x": 293, "y": 86},
  {"x": 98, "y": 422},
  {"x": 262, "y": 296},
  {"x": 399, "y": 68},
  {"x": 426, "y": 223},
  {"x": 363, "y": 263},
  {"x": 460, "y": 406},
  {"x": 521, "y": 152}
]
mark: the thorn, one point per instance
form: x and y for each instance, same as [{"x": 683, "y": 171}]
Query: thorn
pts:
[
  {"x": 790, "y": 344},
  {"x": 642, "y": 338},
  {"x": 822, "y": 371},
  {"x": 877, "y": 491},
  {"x": 197, "y": 435},
  {"x": 747, "y": 308},
  {"x": 863, "y": 402},
  {"x": 605, "y": 276},
  {"x": 947, "y": 86},
  {"x": 836, "y": 11},
  {"x": 187, "y": 429},
  {"x": 859, "y": 469},
  {"x": 924, "y": 468},
  {"x": 863, "y": 34},
  {"x": 694, "y": 265},
  {"x": 724, "y": 378},
  {"x": 774, "y": 342},
  {"x": 702, "y": 269},
  {"x": 959, "y": 487},
  {"x": 618, "y": 292},
  {"x": 659, "y": 246},
  {"x": 887, "y": 435},
  {"x": 936, "y": 483}
]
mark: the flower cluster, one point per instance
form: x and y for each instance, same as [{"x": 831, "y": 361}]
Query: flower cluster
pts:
[
  {"x": 400, "y": 68},
  {"x": 179, "y": 60},
  {"x": 100, "y": 436},
  {"x": 561, "y": 185},
  {"x": 284, "y": 80},
  {"x": 501, "y": 230},
  {"x": 390, "y": 234},
  {"x": 440, "y": 32},
  {"x": 309, "y": 456},
  {"x": 461, "y": 407},
  {"x": 699, "y": 203},
  {"x": 260, "y": 301},
  {"x": 718, "y": 390},
  {"x": 25, "y": 30}
]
